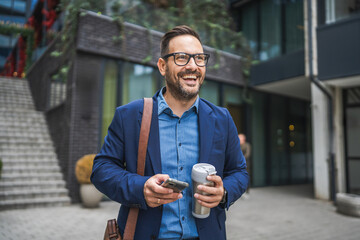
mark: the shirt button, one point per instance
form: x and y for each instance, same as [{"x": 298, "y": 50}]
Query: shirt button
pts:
[
  {"x": 183, "y": 218},
  {"x": 181, "y": 168},
  {"x": 180, "y": 144}
]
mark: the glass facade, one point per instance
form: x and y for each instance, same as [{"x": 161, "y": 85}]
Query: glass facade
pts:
[
  {"x": 281, "y": 140},
  {"x": 138, "y": 81},
  {"x": 270, "y": 30},
  {"x": 232, "y": 100},
  {"x": 124, "y": 82},
  {"x": 110, "y": 95},
  {"x": 336, "y": 10},
  {"x": 272, "y": 27},
  {"x": 210, "y": 91},
  {"x": 277, "y": 127}
]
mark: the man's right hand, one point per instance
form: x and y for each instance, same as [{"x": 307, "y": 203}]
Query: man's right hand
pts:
[{"x": 155, "y": 194}]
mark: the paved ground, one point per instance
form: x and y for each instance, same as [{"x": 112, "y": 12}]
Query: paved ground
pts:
[{"x": 268, "y": 213}]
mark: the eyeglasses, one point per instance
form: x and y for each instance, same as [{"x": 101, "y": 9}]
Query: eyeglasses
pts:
[{"x": 181, "y": 58}]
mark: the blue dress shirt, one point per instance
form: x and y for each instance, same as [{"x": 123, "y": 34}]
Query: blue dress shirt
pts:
[{"x": 179, "y": 148}]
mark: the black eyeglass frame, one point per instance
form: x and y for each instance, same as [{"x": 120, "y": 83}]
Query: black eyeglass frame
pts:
[{"x": 191, "y": 56}]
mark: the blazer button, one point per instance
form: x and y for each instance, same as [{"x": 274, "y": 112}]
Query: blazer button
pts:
[{"x": 153, "y": 237}]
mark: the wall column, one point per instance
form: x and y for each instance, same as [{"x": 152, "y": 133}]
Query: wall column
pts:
[{"x": 321, "y": 136}]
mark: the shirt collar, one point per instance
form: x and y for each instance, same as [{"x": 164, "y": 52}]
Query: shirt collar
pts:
[{"x": 162, "y": 105}]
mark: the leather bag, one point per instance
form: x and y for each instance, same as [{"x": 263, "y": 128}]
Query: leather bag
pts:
[{"x": 112, "y": 229}]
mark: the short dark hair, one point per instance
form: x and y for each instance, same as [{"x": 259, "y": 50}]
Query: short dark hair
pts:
[{"x": 176, "y": 31}]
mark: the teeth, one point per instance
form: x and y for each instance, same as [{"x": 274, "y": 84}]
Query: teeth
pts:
[{"x": 189, "y": 76}]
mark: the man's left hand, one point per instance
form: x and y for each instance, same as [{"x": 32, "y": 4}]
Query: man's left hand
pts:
[{"x": 216, "y": 192}]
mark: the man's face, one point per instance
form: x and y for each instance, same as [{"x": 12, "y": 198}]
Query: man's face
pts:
[{"x": 183, "y": 82}]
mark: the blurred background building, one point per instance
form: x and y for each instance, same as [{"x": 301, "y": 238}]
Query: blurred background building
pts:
[
  {"x": 309, "y": 50},
  {"x": 299, "y": 106}
]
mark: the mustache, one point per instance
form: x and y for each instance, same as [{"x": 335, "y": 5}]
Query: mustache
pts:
[{"x": 196, "y": 73}]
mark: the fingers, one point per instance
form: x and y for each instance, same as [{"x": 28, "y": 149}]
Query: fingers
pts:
[
  {"x": 214, "y": 194},
  {"x": 157, "y": 201},
  {"x": 155, "y": 194},
  {"x": 216, "y": 179},
  {"x": 208, "y": 201},
  {"x": 154, "y": 184}
]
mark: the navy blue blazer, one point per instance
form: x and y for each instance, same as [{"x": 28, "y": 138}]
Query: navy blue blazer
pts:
[{"x": 114, "y": 169}]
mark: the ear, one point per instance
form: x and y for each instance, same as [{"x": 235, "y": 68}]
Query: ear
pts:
[{"x": 161, "y": 66}]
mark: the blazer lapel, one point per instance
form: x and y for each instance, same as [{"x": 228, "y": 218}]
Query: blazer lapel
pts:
[{"x": 206, "y": 126}]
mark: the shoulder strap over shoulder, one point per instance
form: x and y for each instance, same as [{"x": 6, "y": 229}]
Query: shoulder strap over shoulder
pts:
[{"x": 143, "y": 142}]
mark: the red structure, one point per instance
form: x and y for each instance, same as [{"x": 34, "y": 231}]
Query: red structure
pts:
[{"x": 42, "y": 19}]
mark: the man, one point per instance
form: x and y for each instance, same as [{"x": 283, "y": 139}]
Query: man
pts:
[
  {"x": 184, "y": 130},
  {"x": 246, "y": 150}
]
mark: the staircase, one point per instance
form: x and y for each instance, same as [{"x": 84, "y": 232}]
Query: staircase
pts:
[{"x": 31, "y": 175}]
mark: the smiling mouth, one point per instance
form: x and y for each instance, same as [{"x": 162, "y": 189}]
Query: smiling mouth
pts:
[{"x": 189, "y": 77}]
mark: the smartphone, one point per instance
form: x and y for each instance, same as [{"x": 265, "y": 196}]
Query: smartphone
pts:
[{"x": 174, "y": 184}]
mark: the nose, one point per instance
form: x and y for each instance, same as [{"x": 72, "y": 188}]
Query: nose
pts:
[{"x": 191, "y": 64}]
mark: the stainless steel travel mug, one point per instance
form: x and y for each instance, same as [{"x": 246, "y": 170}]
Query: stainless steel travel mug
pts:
[{"x": 198, "y": 176}]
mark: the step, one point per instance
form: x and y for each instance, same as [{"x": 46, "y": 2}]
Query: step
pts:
[
  {"x": 35, "y": 202},
  {"x": 17, "y": 103},
  {"x": 38, "y": 139},
  {"x": 33, "y": 193},
  {"x": 22, "y": 144},
  {"x": 16, "y": 133},
  {"x": 23, "y": 185},
  {"x": 23, "y": 134},
  {"x": 31, "y": 175},
  {"x": 13, "y": 111},
  {"x": 30, "y": 156},
  {"x": 10, "y": 87},
  {"x": 51, "y": 168},
  {"x": 33, "y": 141},
  {"x": 12, "y": 166},
  {"x": 15, "y": 149},
  {"x": 17, "y": 95},
  {"x": 24, "y": 164},
  {"x": 22, "y": 127},
  {"x": 14, "y": 121},
  {"x": 11, "y": 177},
  {"x": 20, "y": 116}
]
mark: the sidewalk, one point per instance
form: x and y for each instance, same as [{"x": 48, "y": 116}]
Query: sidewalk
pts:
[{"x": 279, "y": 213}]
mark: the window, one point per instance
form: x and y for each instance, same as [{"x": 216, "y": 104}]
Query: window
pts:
[
  {"x": 109, "y": 100},
  {"x": 210, "y": 91},
  {"x": 138, "y": 81},
  {"x": 57, "y": 90},
  {"x": 270, "y": 30},
  {"x": 272, "y": 27},
  {"x": 340, "y": 9},
  {"x": 124, "y": 82}
]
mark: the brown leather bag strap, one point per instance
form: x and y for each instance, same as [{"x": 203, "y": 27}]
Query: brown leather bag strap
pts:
[
  {"x": 143, "y": 142},
  {"x": 144, "y": 135}
]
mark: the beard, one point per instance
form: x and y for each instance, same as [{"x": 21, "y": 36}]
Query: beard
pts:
[{"x": 177, "y": 89}]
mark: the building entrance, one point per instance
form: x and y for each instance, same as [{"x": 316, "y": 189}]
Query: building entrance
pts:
[{"x": 352, "y": 133}]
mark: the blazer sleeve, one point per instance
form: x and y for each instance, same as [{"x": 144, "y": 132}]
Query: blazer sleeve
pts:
[
  {"x": 109, "y": 174},
  {"x": 235, "y": 178}
]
